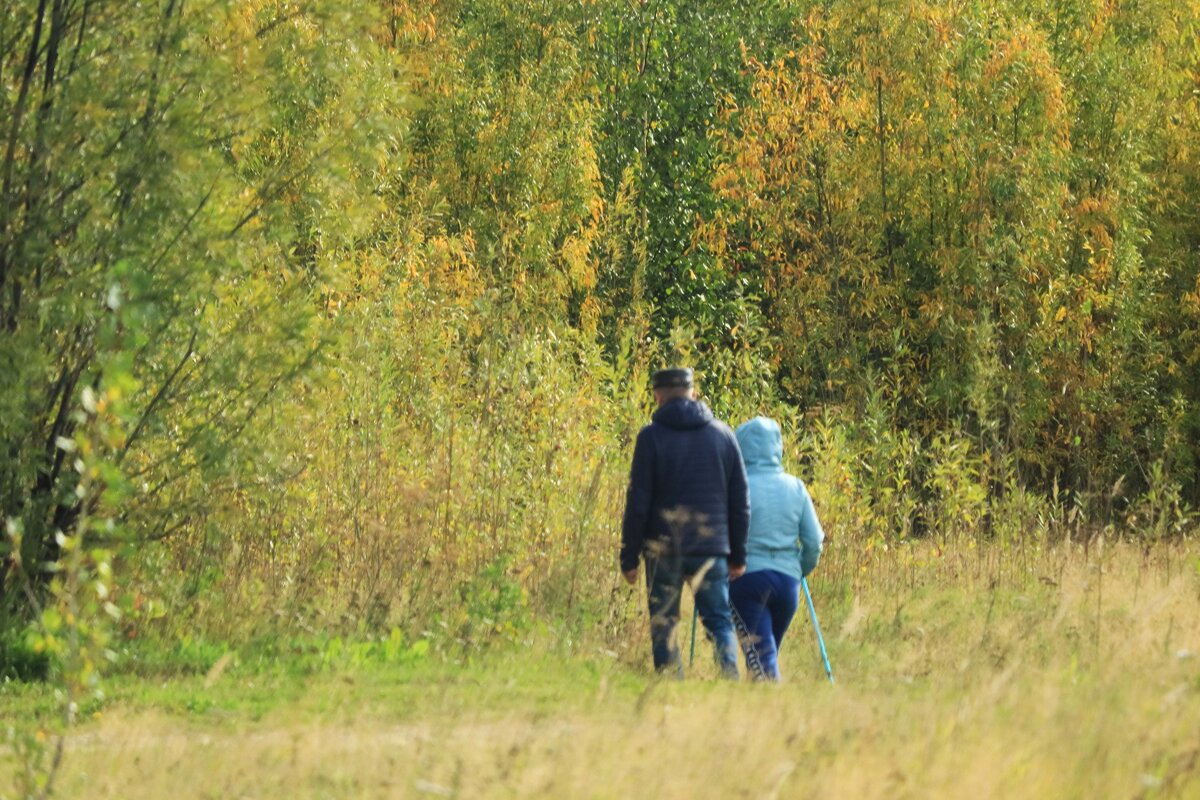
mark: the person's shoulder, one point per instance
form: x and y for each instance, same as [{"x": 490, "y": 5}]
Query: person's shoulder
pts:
[
  {"x": 722, "y": 428},
  {"x": 650, "y": 432},
  {"x": 801, "y": 486}
]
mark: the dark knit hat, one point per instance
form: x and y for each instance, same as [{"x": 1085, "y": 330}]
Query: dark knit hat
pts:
[{"x": 678, "y": 377}]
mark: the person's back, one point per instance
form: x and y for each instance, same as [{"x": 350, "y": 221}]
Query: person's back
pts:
[
  {"x": 781, "y": 510},
  {"x": 684, "y": 464},
  {"x": 686, "y": 513},
  {"x": 783, "y": 546}
]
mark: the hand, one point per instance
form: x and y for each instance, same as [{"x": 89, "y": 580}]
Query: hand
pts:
[
  {"x": 737, "y": 572},
  {"x": 631, "y": 576}
]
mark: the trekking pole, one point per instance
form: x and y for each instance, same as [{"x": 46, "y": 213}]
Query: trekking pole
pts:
[
  {"x": 695, "y": 584},
  {"x": 820, "y": 642},
  {"x": 692, "y": 653}
]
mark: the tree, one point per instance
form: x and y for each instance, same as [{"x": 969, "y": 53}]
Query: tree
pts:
[{"x": 162, "y": 222}]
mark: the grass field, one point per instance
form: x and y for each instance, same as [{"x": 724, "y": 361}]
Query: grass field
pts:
[{"x": 1073, "y": 675}]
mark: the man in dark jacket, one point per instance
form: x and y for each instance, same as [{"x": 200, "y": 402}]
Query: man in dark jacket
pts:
[{"x": 687, "y": 511}]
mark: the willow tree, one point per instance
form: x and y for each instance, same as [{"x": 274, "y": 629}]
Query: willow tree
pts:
[
  {"x": 963, "y": 208},
  {"x": 162, "y": 220}
]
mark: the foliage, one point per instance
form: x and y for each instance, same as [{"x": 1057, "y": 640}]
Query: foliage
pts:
[
  {"x": 958, "y": 206},
  {"x": 159, "y": 223},
  {"x": 662, "y": 71}
]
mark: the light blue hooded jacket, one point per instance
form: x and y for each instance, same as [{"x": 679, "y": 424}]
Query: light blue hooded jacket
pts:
[{"x": 785, "y": 534}]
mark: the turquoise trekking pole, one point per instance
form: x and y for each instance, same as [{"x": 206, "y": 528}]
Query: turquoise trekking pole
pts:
[{"x": 820, "y": 642}]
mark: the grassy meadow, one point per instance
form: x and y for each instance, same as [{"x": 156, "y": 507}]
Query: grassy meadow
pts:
[{"x": 1075, "y": 674}]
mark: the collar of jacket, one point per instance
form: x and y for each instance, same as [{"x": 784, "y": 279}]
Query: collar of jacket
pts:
[{"x": 683, "y": 413}]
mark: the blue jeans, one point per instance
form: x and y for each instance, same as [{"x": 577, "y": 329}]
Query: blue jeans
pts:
[
  {"x": 764, "y": 603},
  {"x": 665, "y": 578}
]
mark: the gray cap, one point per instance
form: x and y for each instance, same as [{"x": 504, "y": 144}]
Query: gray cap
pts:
[{"x": 680, "y": 377}]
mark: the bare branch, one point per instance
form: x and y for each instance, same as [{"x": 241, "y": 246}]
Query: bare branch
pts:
[{"x": 158, "y": 396}]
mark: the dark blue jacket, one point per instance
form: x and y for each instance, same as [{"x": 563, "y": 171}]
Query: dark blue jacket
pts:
[{"x": 687, "y": 487}]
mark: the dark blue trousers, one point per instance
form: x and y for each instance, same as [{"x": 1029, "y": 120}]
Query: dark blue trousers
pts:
[
  {"x": 764, "y": 603},
  {"x": 665, "y": 578}
]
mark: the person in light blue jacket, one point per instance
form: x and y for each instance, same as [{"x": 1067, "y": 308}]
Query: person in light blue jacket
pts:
[{"x": 783, "y": 546}]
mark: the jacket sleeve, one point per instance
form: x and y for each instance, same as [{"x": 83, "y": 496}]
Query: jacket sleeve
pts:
[
  {"x": 739, "y": 507},
  {"x": 811, "y": 534},
  {"x": 639, "y": 498}
]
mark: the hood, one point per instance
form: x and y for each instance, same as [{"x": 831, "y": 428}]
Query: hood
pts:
[
  {"x": 761, "y": 443},
  {"x": 683, "y": 414}
]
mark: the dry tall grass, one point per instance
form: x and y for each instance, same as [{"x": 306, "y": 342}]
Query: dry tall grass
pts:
[{"x": 1076, "y": 675}]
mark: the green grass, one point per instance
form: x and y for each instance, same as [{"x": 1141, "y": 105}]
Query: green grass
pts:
[{"x": 247, "y": 687}]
